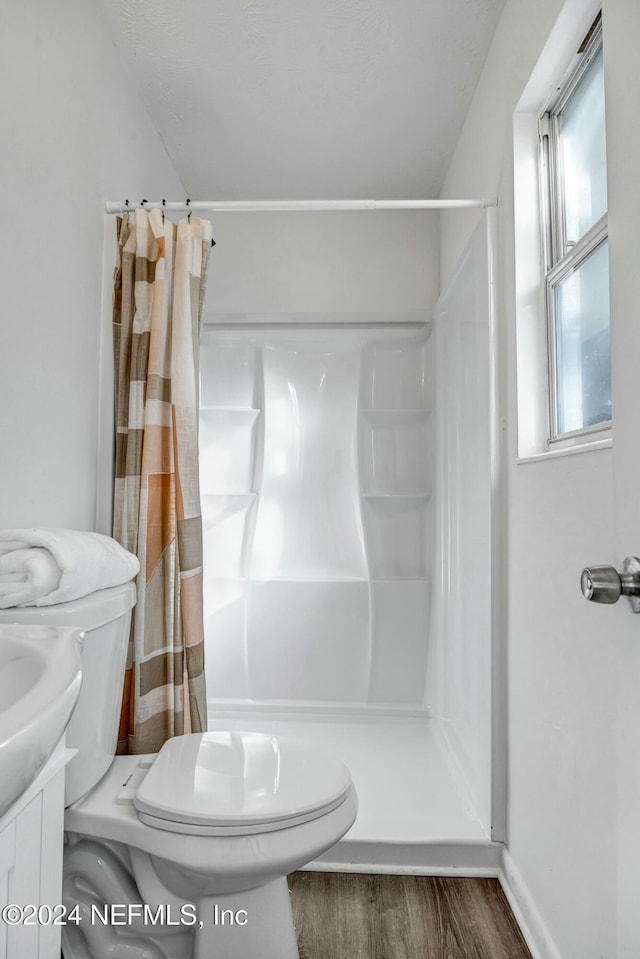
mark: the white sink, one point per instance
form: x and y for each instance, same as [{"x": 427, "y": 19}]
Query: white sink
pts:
[{"x": 39, "y": 685}]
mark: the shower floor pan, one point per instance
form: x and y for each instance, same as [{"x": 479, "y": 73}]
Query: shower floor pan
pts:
[{"x": 415, "y": 814}]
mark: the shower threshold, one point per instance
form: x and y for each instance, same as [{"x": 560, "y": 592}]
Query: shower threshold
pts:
[{"x": 415, "y": 815}]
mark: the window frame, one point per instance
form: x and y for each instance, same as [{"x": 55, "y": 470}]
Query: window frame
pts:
[{"x": 560, "y": 259}]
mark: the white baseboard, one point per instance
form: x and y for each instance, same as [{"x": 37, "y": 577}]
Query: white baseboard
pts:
[
  {"x": 375, "y": 869},
  {"x": 436, "y": 858},
  {"x": 532, "y": 925}
]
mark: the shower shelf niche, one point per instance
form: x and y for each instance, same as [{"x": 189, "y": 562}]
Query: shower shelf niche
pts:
[
  {"x": 395, "y": 451},
  {"x": 226, "y": 521},
  {"x": 227, "y": 450},
  {"x": 396, "y": 528}
]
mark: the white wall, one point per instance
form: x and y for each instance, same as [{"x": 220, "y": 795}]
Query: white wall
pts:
[
  {"x": 558, "y": 513},
  {"x": 378, "y": 262},
  {"x": 73, "y": 134}
]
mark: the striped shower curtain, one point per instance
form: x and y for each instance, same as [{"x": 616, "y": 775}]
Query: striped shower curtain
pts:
[{"x": 158, "y": 295}]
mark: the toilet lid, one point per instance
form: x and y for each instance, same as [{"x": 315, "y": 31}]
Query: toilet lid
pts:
[{"x": 240, "y": 779}]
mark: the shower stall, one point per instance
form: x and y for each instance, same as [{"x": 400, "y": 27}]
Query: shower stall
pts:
[{"x": 347, "y": 468}]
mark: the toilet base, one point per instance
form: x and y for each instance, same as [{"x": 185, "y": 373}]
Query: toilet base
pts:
[
  {"x": 253, "y": 924},
  {"x": 257, "y": 924}
]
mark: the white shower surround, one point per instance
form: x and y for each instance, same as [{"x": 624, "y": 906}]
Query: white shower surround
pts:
[
  {"x": 316, "y": 466},
  {"x": 463, "y": 687}
]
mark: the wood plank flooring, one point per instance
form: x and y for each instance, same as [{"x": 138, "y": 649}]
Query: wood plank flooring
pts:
[{"x": 348, "y": 916}]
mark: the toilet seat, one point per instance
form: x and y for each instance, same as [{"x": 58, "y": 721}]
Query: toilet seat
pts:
[{"x": 239, "y": 783}]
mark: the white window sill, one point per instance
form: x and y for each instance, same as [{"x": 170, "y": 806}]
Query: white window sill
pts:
[{"x": 603, "y": 444}]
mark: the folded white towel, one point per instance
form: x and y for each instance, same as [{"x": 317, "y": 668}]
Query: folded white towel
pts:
[{"x": 40, "y": 567}]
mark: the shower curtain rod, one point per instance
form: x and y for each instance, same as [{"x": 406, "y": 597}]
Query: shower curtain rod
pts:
[{"x": 302, "y": 206}]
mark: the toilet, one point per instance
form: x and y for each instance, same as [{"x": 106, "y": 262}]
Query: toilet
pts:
[{"x": 182, "y": 854}]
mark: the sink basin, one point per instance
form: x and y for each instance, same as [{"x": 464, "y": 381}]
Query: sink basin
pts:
[{"x": 39, "y": 684}]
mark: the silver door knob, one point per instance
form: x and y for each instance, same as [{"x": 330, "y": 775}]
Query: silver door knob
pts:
[{"x": 603, "y": 584}]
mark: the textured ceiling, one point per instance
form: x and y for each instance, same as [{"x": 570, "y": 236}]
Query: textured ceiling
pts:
[{"x": 260, "y": 99}]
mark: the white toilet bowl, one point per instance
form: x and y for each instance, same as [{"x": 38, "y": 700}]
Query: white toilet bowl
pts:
[
  {"x": 212, "y": 826},
  {"x": 182, "y": 855}
]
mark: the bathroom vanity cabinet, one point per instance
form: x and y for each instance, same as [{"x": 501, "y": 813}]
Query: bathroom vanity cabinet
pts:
[{"x": 31, "y": 840}]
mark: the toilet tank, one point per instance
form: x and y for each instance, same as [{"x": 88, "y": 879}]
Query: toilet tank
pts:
[{"x": 105, "y": 617}]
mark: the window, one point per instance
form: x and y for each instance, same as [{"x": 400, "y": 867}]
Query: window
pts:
[{"x": 574, "y": 193}]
